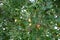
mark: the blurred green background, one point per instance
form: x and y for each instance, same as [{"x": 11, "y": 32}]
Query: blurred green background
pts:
[{"x": 29, "y": 19}]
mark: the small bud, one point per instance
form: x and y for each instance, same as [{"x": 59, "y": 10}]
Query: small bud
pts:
[
  {"x": 21, "y": 17},
  {"x": 55, "y": 27},
  {"x": 28, "y": 32},
  {"x": 29, "y": 20},
  {"x": 30, "y": 24},
  {"x": 22, "y": 7},
  {"x": 1, "y": 4},
  {"x": 15, "y": 20},
  {"x": 23, "y": 10},
  {"x": 47, "y": 35},
  {"x": 17, "y": 9},
  {"x": 3, "y": 28},
  {"x": 56, "y": 16}
]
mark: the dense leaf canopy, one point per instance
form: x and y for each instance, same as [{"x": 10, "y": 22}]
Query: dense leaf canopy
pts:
[{"x": 30, "y": 20}]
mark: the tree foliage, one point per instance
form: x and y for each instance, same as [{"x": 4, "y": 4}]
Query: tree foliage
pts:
[{"x": 30, "y": 20}]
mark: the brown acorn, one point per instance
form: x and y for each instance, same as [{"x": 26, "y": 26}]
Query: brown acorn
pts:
[{"x": 38, "y": 26}]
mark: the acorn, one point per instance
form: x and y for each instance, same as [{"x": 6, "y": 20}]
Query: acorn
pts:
[{"x": 38, "y": 26}]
